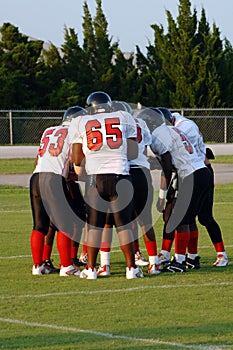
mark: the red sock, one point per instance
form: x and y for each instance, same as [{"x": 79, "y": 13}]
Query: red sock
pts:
[
  {"x": 193, "y": 242},
  {"x": 37, "y": 246},
  {"x": 47, "y": 252},
  {"x": 219, "y": 247},
  {"x": 151, "y": 248},
  {"x": 136, "y": 246},
  {"x": 64, "y": 248},
  {"x": 74, "y": 252},
  {"x": 181, "y": 242},
  {"x": 105, "y": 246},
  {"x": 167, "y": 244}
]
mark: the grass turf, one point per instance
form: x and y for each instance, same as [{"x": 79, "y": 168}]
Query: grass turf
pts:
[
  {"x": 26, "y": 165},
  {"x": 191, "y": 310}
]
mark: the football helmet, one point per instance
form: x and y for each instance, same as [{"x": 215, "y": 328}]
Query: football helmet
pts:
[
  {"x": 118, "y": 106},
  {"x": 152, "y": 116},
  {"x": 99, "y": 102},
  {"x": 72, "y": 112},
  {"x": 128, "y": 107},
  {"x": 167, "y": 114}
]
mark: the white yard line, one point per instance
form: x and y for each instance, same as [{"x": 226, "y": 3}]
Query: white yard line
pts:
[
  {"x": 123, "y": 290},
  {"x": 114, "y": 336}
]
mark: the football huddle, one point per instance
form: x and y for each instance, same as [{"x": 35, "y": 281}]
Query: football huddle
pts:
[{"x": 113, "y": 148}]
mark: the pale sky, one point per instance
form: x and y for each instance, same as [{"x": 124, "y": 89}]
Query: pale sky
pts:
[{"x": 128, "y": 20}]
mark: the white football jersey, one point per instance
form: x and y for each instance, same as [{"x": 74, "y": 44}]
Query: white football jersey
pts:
[
  {"x": 104, "y": 141},
  {"x": 54, "y": 151},
  {"x": 166, "y": 139},
  {"x": 191, "y": 130},
  {"x": 144, "y": 140},
  {"x": 196, "y": 161}
]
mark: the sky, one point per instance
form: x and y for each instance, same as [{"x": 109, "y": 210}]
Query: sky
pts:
[{"x": 129, "y": 21}]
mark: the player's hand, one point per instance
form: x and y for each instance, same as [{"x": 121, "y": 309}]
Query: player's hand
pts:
[
  {"x": 72, "y": 176},
  {"x": 160, "y": 204}
]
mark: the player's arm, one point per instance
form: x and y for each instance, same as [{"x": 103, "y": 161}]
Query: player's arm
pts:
[
  {"x": 132, "y": 148},
  {"x": 166, "y": 163},
  {"x": 36, "y": 161},
  {"x": 162, "y": 193},
  {"x": 78, "y": 158}
]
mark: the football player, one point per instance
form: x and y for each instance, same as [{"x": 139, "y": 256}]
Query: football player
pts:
[
  {"x": 105, "y": 140},
  {"x": 177, "y": 154},
  {"x": 191, "y": 130},
  {"x": 51, "y": 200}
]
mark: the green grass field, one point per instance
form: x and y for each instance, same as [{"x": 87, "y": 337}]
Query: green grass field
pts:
[
  {"x": 185, "y": 311},
  {"x": 26, "y": 165}
]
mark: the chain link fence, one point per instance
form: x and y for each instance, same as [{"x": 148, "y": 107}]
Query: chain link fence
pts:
[{"x": 26, "y": 126}]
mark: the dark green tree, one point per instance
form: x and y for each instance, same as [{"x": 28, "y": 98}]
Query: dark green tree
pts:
[
  {"x": 98, "y": 48},
  {"x": 190, "y": 56},
  {"x": 226, "y": 72},
  {"x": 19, "y": 63},
  {"x": 76, "y": 68}
]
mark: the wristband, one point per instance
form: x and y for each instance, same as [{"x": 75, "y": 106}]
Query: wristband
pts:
[{"x": 162, "y": 193}]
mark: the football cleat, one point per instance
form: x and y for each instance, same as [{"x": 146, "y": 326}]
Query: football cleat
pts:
[
  {"x": 192, "y": 264},
  {"x": 38, "y": 269},
  {"x": 103, "y": 270},
  {"x": 132, "y": 272},
  {"x": 162, "y": 259},
  {"x": 83, "y": 258},
  {"x": 89, "y": 273},
  {"x": 49, "y": 267},
  {"x": 153, "y": 269},
  {"x": 173, "y": 266},
  {"x": 69, "y": 271},
  {"x": 77, "y": 262},
  {"x": 221, "y": 261},
  {"x": 139, "y": 260}
]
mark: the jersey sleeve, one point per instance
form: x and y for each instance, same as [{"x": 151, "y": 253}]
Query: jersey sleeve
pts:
[
  {"x": 157, "y": 146},
  {"x": 74, "y": 133},
  {"x": 146, "y": 133},
  {"x": 131, "y": 126}
]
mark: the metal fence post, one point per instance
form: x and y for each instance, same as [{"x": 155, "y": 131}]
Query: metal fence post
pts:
[
  {"x": 225, "y": 130},
  {"x": 11, "y": 127}
]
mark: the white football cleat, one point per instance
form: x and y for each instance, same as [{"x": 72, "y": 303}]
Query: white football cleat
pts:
[
  {"x": 89, "y": 273},
  {"x": 221, "y": 261},
  {"x": 83, "y": 258},
  {"x": 103, "y": 270},
  {"x": 153, "y": 269},
  {"x": 132, "y": 272},
  {"x": 38, "y": 269},
  {"x": 69, "y": 271},
  {"x": 139, "y": 260}
]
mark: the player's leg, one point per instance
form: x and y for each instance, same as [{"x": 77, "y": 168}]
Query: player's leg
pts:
[
  {"x": 143, "y": 199},
  {"x": 105, "y": 247},
  {"x": 40, "y": 225},
  {"x": 139, "y": 258},
  {"x": 83, "y": 255},
  {"x": 123, "y": 221},
  {"x": 96, "y": 217},
  {"x": 59, "y": 204},
  {"x": 206, "y": 219},
  {"x": 182, "y": 215},
  {"x": 78, "y": 206},
  {"x": 193, "y": 259},
  {"x": 48, "y": 246}
]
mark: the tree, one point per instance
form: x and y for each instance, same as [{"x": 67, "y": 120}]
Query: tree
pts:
[
  {"x": 19, "y": 62},
  {"x": 98, "y": 48},
  {"x": 189, "y": 56}
]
